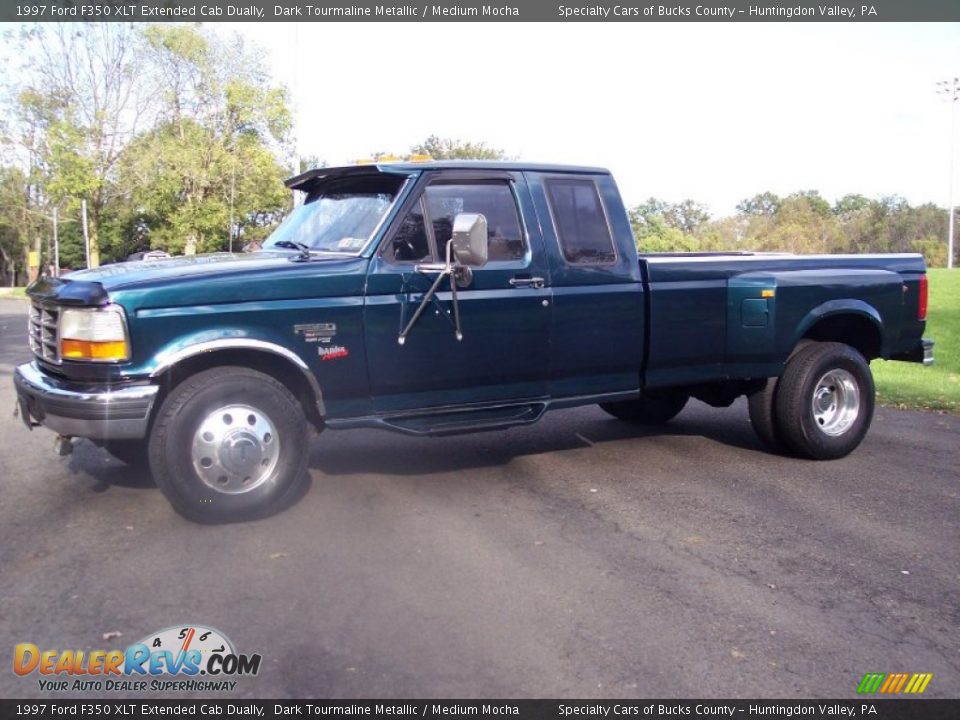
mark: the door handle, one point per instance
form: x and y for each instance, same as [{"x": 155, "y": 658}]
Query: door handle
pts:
[{"x": 532, "y": 282}]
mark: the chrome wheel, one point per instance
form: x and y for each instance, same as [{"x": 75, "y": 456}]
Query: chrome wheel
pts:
[
  {"x": 235, "y": 449},
  {"x": 836, "y": 402}
]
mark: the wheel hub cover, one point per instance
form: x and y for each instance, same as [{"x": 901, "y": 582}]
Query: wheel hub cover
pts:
[
  {"x": 235, "y": 449},
  {"x": 240, "y": 452}
]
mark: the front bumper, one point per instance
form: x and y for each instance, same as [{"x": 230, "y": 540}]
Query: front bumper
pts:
[{"x": 98, "y": 412}]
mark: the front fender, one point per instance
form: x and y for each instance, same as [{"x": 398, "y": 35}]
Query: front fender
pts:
[{"x": 184, "y": 348}]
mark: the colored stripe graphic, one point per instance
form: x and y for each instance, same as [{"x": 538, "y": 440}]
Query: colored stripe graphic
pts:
[
  {"x": 870, "y": 683},
  {"x": 894, "y": 683},
  {"x": 927, "y": 677}
]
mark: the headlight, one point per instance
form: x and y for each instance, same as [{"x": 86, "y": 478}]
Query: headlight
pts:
[{"x": 97, "y": 334}]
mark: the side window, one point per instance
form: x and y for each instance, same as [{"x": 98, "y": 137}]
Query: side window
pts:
[
  {"x": 493, "y": 199},
  {"x": 409, "y": 243},
  {"x": 580, "y": 221}
]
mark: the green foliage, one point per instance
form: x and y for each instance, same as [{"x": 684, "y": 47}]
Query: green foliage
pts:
[
  {"x": 78, "y": 101},
  {"x": 909, "y": 385},
  {"x": 12, "y": 237},
  {"x": 668, "y": 239},
  {"x": 810, "y": 199},
  {"x": 72, "y": 254},
  {"x": 169, "y": 133},
  {"x": 456, "y": 149},
  {"x": 659, "y": 226},
  {"x": 212, "y": 161},
  {"x": 934, "y": 251},
  {"x": 766, "y": 203},
  {"x": 802, "y": 222},
  {"x": 850, "y": 205}
]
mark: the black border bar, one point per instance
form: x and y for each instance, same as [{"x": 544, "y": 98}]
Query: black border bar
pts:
[
  {"x": 861, "y": 707},
  {"x": 616, "y": 11}
]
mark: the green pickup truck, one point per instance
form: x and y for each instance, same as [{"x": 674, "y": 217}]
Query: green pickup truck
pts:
[{"x": 447, "y": 297}]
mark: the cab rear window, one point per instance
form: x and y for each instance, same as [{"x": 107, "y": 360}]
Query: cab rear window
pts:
[{"x": 580, "y": 221}]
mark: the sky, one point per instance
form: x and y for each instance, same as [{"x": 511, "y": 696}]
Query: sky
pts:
[{"x": 715, "y": 112}]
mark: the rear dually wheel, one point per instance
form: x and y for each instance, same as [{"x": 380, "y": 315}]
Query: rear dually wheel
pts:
[{"x": 824, "y": 402}]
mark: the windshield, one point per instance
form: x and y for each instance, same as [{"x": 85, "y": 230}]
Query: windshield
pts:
[{"x": 340, "y": 216}]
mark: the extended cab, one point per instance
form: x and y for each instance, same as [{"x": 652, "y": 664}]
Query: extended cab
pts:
[{"x": 437, "y": 298}]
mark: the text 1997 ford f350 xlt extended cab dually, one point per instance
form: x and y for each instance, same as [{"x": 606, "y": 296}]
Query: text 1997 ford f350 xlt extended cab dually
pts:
[{"x": 445, "y": 297}]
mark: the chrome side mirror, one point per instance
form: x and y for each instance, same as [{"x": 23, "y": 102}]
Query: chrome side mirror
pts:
[
  {"x": 465, "y": 250},
  {"x": 470, "y": 239}
]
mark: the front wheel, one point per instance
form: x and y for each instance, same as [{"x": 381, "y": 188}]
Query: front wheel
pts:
[
  {"x": 825, "y": 400},
  {"x": 229, "y": 444}
]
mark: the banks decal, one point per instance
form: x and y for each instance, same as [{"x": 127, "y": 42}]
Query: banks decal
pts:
[{"x": 334, "y": 352}]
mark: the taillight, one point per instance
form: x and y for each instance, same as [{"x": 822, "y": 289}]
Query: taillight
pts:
[{"x": 922, "y": 305}]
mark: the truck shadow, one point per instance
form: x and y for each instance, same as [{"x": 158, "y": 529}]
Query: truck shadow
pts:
[
  {"x": 362, "y": 452},
  {"x": 378, "y": 452},
  {"x": 96, "y": 463},
  {"x": 107, "y": 472}
]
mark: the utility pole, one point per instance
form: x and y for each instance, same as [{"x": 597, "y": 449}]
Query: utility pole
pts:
[
  {"x": 86, "y": 236},
  {"x": 950, "y": 90},
  {"x": 56, "y": 242},
  {"x": 233, "y": 189}
]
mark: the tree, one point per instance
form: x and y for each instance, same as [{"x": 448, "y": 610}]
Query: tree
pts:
[
  {"x": 13, "y": 241},
  {"x": 207, "y": 173},
  {"x": 79, "y": 102},
  {"x": 686, "y": 216},
  {"x": 455, "y": 149},
  {"x": 660, "y": 226},
  {"x": 814, "y": 201},
  {"x": 765, "y": 203},
  {"x": 799, "y": 226},
  {"x": 849, "y": 205}
]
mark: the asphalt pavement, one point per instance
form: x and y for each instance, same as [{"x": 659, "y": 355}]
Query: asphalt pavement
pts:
[{"x": 578, "y": 557}]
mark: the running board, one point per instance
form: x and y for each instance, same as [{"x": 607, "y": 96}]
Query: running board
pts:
[{"x": 450, "y": 422}]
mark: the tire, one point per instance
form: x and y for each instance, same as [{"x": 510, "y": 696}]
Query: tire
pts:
[
  {"x": 648, "y": 409},
  {"x": 763, "y": 408},
  {"x": 824, "y": 401},
  {"x": 229, "y": 444},
  {"x": 763, "y": 417},
  {"x": 131, "y": 452}
]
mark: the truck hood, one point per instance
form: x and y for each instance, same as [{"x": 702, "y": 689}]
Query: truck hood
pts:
[{"x": 205, "y": 279}]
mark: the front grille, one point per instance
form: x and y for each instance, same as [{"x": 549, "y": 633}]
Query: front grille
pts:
[{"x": 43, "y": 330}]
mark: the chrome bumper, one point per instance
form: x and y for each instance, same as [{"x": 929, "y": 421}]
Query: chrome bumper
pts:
[
  {"x": 921, "y": 352},
  {"x": 98, "y": 412}
]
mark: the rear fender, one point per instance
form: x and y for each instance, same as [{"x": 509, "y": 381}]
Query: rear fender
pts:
[{"x": 837, "y": 308}]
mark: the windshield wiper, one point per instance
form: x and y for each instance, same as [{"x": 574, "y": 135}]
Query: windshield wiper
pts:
[{"x": 294, "y": 245}]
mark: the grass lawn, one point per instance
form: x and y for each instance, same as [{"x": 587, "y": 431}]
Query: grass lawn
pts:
[
  {"x": 910, "y": 385},
  {"x": 13, "y": 292}
]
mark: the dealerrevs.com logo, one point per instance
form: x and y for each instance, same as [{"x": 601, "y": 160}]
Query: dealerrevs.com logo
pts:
[{"x": 182, "y": 658}]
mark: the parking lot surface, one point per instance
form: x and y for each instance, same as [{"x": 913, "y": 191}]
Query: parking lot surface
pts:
[{"x": 579, "y": 557}]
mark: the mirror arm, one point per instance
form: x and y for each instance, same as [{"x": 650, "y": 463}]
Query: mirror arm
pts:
[{"x": 450, "y": 269}]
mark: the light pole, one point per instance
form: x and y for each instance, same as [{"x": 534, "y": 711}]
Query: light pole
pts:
[
  {"x": 950, "y": 90},
  {"x": 55, "y": 219}
]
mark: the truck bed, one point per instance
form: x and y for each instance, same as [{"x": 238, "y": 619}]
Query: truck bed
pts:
[{"x": 716, "y": 316}]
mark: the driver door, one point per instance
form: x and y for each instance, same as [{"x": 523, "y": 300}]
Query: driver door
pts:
[{"x": 505, "y": 311}]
